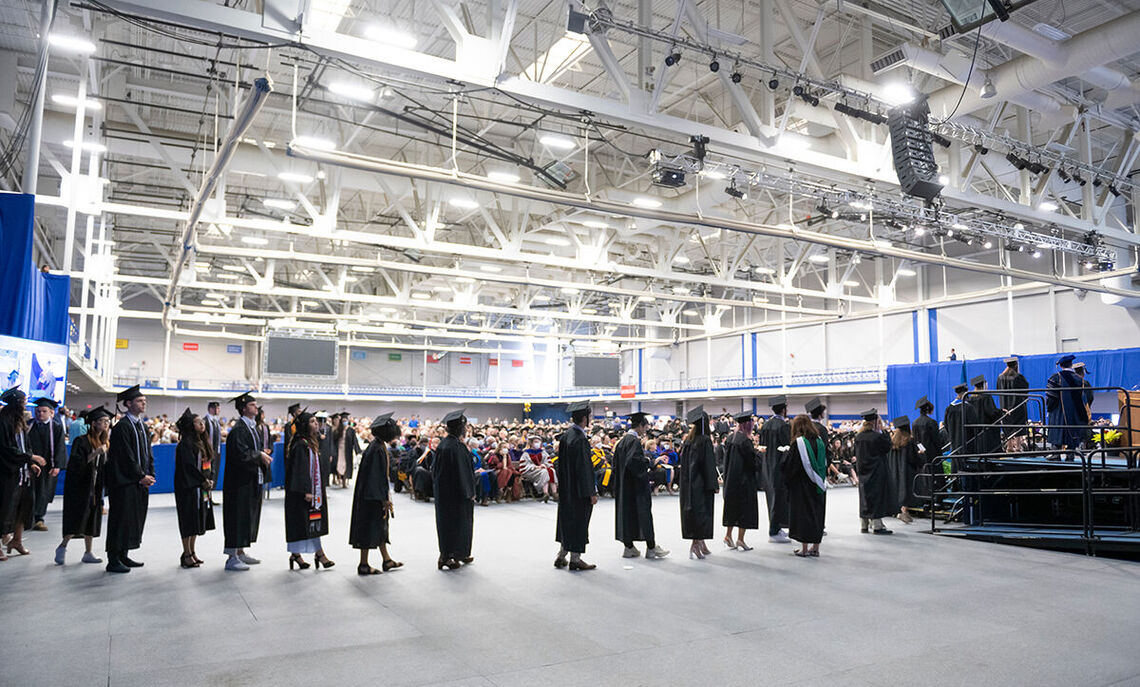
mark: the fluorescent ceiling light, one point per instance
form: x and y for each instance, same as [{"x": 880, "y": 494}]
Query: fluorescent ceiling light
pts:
[
  {"x": 562, "y": 56},
  {"x": 542, "y": 298},
  {"x": 851, "y": 282},
  {"x": 713, "y": 174},
  {"x": 820, "y": 259},
  {"x": 1047, "y": 206},
  {"x": 390, "y": 35},
  {"x": 959, "y": 226},
  {"x": 72, "y": 43},
  {"x": 255, "y": 240},
  {"x": 295, "y": 177},
  {"x": 314, "y": 142},
  {"x": 681, "y": 291},
  {"x": 227, "y": 276},
  {"x": 311, "y": 304},
  {"x": 490, "y": 268},
  {"x": 681, "y": 260},
  {"x": 505, "y": 177},
  {"x": 689, "y": 312},
  {"x": 464, "y": 203},
  {"x": 464, "y": 280},
  {"x": 209, "y": 301},
  {"x": 646, "y": 202},
  {"x": 89, "y": 146},
  {"x": 244, "y": 172},
  {"x": 278, "y": 203},
  {"x": 204, "y": 266},
  {"x": 589, "y": 311},
  {"x": 1051, "y": 32},
  {"x": 647, "y": 299},
  {"x": 421, "y": 296},
  {"x": 351, "y": 91},
  {"x": 72, "y": 101},
  {"x": 763, "y": 270},
  {"x": 570, "y": 290},
  {"x": 556, "y": 241},
  {"x": 363, "y": 268},
  {"x": 898, "y": 93},
  {"x": 557, "y": 142},
  {"x": 234, "y": 268},
  {"x": 441, "y": 289},
  {"x": 906, "y": 272},
  {"x": 595, "y": 224}
]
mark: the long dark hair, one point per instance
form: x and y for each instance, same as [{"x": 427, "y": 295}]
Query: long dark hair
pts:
[
  {"x": 101, "y": 439},
  {"x": 699, "y": 427},
  {"x": 14, "y": 413},
  {"x": 302, "y": 431},
  {"x": 901, "y": 437}
]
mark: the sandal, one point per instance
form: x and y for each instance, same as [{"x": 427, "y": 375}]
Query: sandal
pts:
[
  {"x": 391, "y": 565},
  {"x": 801, "y": 554}
]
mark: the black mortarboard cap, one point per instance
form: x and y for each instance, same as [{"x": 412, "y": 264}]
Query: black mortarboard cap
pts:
[
  {"x": 381, "y": 420},
  {"x": 94, "y": 414},
  {"x": 695, "y": 415},
  {"x": 1066, "y": 360},
  {"x": 869, "y": 414},
  {"x": 1012, "y": 360},
  {"x": 185, "y": 423},
  {"x": 743, "y": 416},
  {"x": 924, "y": 401},
  {"x": 295, "y": 408},
  {"x": 980, "y": 379},
  {"x": 129, "y": 394},
  {"x": 578, "y": 407},
  {"x": 456, "y": 415},
  {"x": 13, "y": 395},
  {"x": 959, "y": 388},
  {"x": 1080, "y": 366},
  {"x": 241, "y": 401},
  {"x": 636, "y": 418},
  {"x": 814, "y": 404},
  {"x": 901, "y": 421},
  {"x": 46, "y": 402},
  {"x": 777, "y": 401}
]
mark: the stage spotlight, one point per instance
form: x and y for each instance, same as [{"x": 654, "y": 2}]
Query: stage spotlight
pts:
[
  {"x": 1113, "y": 190},
  {"x": 672, "y": 59},
  {"x": 668, "y": 177},
  {"x": 1016, "y": 161},
  {"x": 1064, "y": 175},
  {"x": 1037, "y": 168},
  {"x": 773, "y": 83},
  {"x": 737, "y": 77},
  {"x": 714, "y": 66},
  {"x": 982, "y": 150},
  {"x": 735, "y": 192},
  {"x": 798, "y": 91},
  {"x": 812, "y": 100},
  {"x": 988, "y": 89},
  {"x": 940, "y": 139},
  {"x": 1097, "y": 182}
]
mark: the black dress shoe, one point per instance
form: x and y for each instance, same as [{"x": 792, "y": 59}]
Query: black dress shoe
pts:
[
  {"x": 114, "y": 565},
  {"x": 560, "y": 562},
  {"x": 129, "y": 563},
  {"x": 467, "y": 560},
  {"x": 581, "y": 565},
  {"x": 884, "y": 530}
]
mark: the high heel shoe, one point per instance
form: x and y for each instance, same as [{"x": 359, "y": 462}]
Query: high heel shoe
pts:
[
  {"x": 322, "y": 561},
  {"x": 19, "y": 547},
  {"x": 197, "y": 560},
  {"x": 187, "y": 561},
  {"x": 296, "y": 558},
  {"x": 365, "y": 569},
  {"x": 705, "y": 548},
  {"x": 390, "y": 565},
  {"x": 695, "y": 553},
  {"x": 728, "y": 543}
]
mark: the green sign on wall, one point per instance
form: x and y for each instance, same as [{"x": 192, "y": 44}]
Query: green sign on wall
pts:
[{"x": 395, "y": 357}]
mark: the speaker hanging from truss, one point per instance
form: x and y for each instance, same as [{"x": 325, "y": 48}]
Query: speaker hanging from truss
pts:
[{"x": 913, "y": 151}]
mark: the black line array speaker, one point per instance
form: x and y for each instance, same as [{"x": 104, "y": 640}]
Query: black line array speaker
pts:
[{"x": 913, "y": 151}]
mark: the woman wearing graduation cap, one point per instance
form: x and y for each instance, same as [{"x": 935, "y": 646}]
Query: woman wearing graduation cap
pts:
[
  {"x": 877, "y": 498},
  {"x": 741, "y": 483},
  {"x": 17, "y": 468},
  {"x": 453, "y": 484},
  {"x": 129, "y": 477},
  {"x": 698, "y": 482},
  {"x": 247, "y": 467},
  {"x": 371, "y": 499},
  {"x": 83, "y": 488},
  {"x": 906, "y": 461},
  {"x": 804, "y": 472},
  {"x": 306, "y": 503},
  {"x": 192, "y": 460}
]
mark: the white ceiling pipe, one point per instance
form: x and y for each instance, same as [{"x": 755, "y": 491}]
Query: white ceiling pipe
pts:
[{"x": 1111, "y": 41}]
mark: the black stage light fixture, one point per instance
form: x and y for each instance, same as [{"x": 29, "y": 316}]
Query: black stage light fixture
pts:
[
  {"x": 1079, "y": 179},
  {"x": 714, "y": 66},
  {"x": 812, "y": 100},
  {"x": 737, "y": 77},
  {"x": 1097, "y": 182},
  {"x": 1064, "y": 175},
  {"x": 735, "y": 192},
  {"x": 699, "y": 146},
  {"x": 1037, "y": 168},
  {"x": 773, "y": 83},
  {"x": 1017, "y": 162},
  {"x": 672, "y": 59},
  {"x": 872, "y": 117},
  {"x": 798, "y": 91},
  {"x": 1113, "y": 190},
  {"x": 669, "y": 177},
  {"x": 982, "y": 150}
]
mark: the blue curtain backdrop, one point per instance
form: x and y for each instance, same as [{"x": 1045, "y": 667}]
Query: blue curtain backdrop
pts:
[
  {"x": 34, "y": 305},
  {"x": 907, "y": 383}
]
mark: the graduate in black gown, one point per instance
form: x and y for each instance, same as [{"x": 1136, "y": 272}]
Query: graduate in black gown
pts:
[
  {"x": 325, "y": 445},
  {"x": 83, "y": 485},
  {"x": 577, "y": 490},
  {"x": 698, "y": 484},
  {"x": 193, "y": 458},
  {"x": 877, "y": 495},
  {"x": 775, "y": 434},
  {"x": 246, "y": 469},
  {"x": 453, "y": 484},
  {"x": 18, "y": 466},
  {"x": 129, "y": 477},
  {"x": 804, "y": 471},
  {"x": 46, "y": 438},
  {"x": 371, "y": 500},
  {"x": 290, "y": 426},
  {"x": 928, "y": 441},
  {"x": 815, "y": 409},
  {"x": 988, "y": 438},
  {"x": 905, "y": 461},
  {"x": 961, "y": 419},
  {"x": 633, "y": 489},
  {"x": 1014, "y": 404},
  {"x": 306, "y": 498},
  {"x": 742, "y": 464},
  {"x": 1066, "y": 410}
]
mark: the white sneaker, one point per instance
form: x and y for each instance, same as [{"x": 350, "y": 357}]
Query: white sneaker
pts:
[
  {"x": 632, "y": 552},
  {"x": 780, "y": 537},
  {"x": 60, "y": 552},
  {"x": 89, "y": 557},
  {"x": 656, "y": 552},
  {"x": 235, "y": 563},
  {"x": 248, "y": 559}
]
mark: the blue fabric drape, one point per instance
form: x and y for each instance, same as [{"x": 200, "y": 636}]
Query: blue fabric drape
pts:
[
  {"x": 35, "y": 304},
  {"x": 907, "y": 383}
]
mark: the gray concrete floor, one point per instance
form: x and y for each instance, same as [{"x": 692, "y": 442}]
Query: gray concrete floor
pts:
[{"x": 907, "y": 609}]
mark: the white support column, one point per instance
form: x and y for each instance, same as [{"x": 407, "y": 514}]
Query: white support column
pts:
[
  {"x": 708, "y": 363},
  {"x": 499, "y": 373},
  {"x": 78, "y": 138},
  {"x": 424, "y": 385},
  {"x": 166, "y": 358},
  {"x": 347, "y": 364}
]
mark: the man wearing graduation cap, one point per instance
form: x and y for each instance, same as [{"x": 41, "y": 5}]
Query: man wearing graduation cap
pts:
[
  {"x": 1065, "y": 407},
  {"x": 1015, "y": 405},
  {"x": 129, "y": 475},
  {"x": 633, "y": 503},
  {"x": 577, "y": 490},
  {"x": 815, "y": 408},
  {"x": 926, "y": 434},
  {"x": 453, "y": 484},
  {"x": 988, "y": 437},
  {"x": 247, "y": 468},
  {"x": 961, "y": 419},
  {"x": 46, "y": 438},
  {"x": 774, "y": 433},
  {"x": 877, "y": 497}
]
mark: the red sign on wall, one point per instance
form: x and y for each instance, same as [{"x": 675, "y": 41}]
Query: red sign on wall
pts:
[
  {"x": 516, "y": 363},
  {"x": 433, "y": 358},
  {"x": 464, "y": 360},
  {"x": 628, "y": 390},
  {"x": 189, "y": 346},
  {"x": 493, "y": 362}
]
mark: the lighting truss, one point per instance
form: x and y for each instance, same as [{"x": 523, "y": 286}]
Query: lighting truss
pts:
[{"x": 932, "y": 218}]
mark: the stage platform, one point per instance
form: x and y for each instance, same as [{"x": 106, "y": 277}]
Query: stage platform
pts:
[{"x": 1059, "y": 538}]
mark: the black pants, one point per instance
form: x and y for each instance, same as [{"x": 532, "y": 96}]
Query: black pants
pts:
[{"x": 649, "y": 544}]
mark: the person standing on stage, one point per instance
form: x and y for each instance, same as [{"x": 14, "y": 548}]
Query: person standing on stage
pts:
[
  {"x": 577, "y": 490},
  {"x": 876, "y": 495},
  {"x": 698, "y": 484},
  {"x": 988, "y": 437},
  {"x": 371, "y": 499},
  {"x": 83, "y": 487},
  {"x": 928, "y": 441},
  {"x": 961, "y": 419},
  {"x": 774, "y": 434},
  {"x": 453, "y": 486},
  {"x": 18, "y": 466},
  {"x": 1086, "y": 398},
  {"x": 306, "y": 500},
  {"x": 1065, "y": 407},
  {"x": 193, "y": 463},
  {"x": 46, "y": 438},
  {"x": 741, "y": 483},
  {"x": 247, "y": 468},
  {"x": 1015, "y": 405},
  {"x": 804, "y": 470},
  {"x": 129, "y": 477},
  {"x": 633, "y": 503}
]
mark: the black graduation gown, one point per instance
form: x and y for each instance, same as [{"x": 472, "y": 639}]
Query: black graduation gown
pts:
[
  {"x": 576, "y": 486},
  {"x": 83, "y": 491},
  {"x": 127, "y": 500},
  {"x": 298, "y": 482},
  {"x": 925, "y": 431},
  {"x": 453, "y": 486},
  {"x": 1065, "y": 405},
  {"x": 351, "y": 449},
  {"x": 47, "y": 440},
  {"x": 988, "y": 439},
  {"x": 241, "y": 492},
  {"x": 422, "y": 475},
  {"x": 633, "y": 504},
  {"x": 369, "y": 526},
  {"x": 775, "y": 432},
  {"x": 288, "y": 434},
  {"x": 698, "y": 484},
  {"x": 877, "y": 494},
  {"x": 741, "y": 482},
  {"x": 807, "y": 507},
  {"x": 325, "y": 451},
  {"x": 1015, "y": 404},
  {"x": 905, "y": 463},
  {"x": 14, "y": 467},
  {"x": 957, "y": 418},
  {"x": 191, "y": 497}
]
